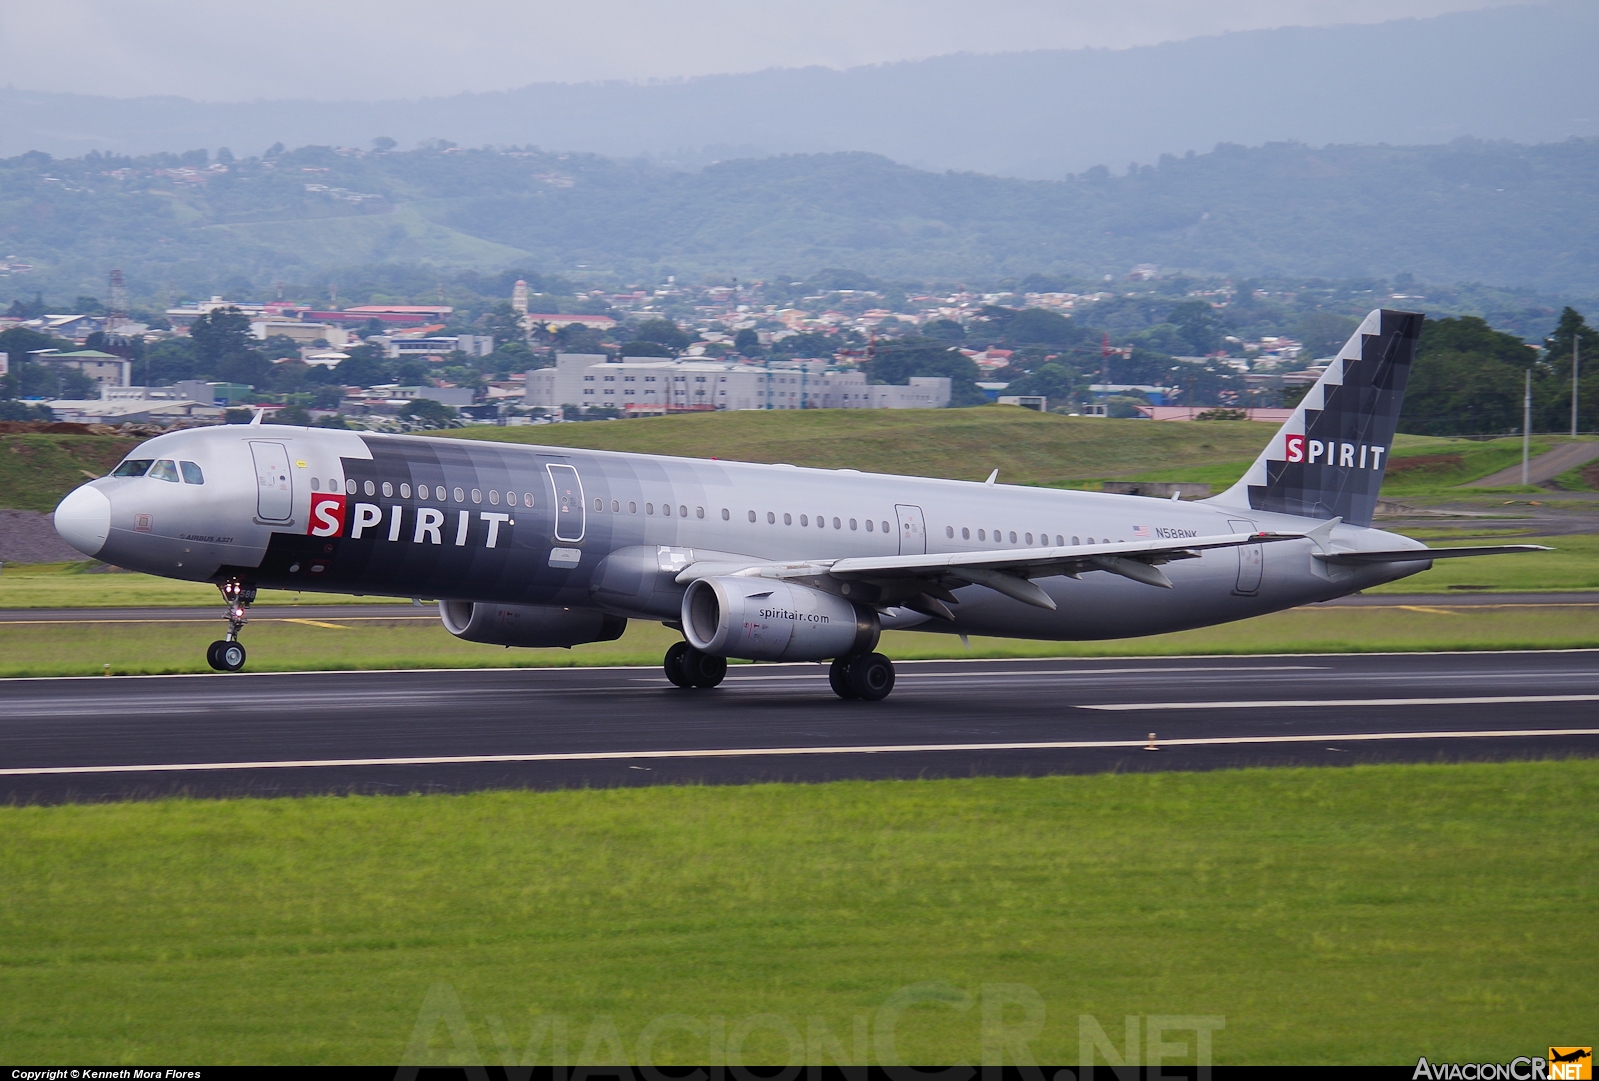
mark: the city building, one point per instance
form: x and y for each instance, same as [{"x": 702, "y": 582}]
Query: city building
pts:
[
  {"x": 645, "y": 385},
  {"x": 134, "y": 405},
  {"x": 299, "y": 333},
  {"x": 477, "y": 345},
  {"x": 106, "y": 369}
]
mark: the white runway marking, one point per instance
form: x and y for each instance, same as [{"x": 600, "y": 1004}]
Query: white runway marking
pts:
[
  {"x": 1486, "y": 700},
  {"x": 767, "y": 752}
]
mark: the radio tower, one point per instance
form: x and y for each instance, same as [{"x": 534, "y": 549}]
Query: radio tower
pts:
[{"x": 116, "y": 303}]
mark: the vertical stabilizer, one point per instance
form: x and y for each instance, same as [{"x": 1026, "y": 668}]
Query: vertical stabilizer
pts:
[{"x": 1327, "y": 461}]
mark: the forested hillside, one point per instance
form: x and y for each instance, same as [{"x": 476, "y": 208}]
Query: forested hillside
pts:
[{"x": 1470, "y": 211}]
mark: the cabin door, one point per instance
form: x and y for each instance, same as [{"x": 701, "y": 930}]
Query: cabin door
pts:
[
  {"x": 1250, "y": 560},
  {"x": 274, "y": 492},
  {"x": 912, "y": 531}
]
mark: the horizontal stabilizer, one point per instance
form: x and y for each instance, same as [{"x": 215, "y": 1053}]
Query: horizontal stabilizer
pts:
[{"x": 1409, "y": 555}]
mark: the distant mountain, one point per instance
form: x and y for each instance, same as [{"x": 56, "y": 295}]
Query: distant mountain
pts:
[
  {"x": 1496, "y": 213},
  {"x": 1521, "y": 73}
]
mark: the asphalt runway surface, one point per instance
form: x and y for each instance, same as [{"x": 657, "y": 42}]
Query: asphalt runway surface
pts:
[
  {"x": 418, "y": 731},
  {"x": 294, "y": 613}
]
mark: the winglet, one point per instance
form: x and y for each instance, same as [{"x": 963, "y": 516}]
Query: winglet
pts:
[{"x": 992, "y": 477}]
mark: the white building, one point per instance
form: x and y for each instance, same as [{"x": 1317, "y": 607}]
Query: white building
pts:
[
  {"x": 476, "y": 345},
  {"x": 642, "y": 385},
  {"x": 298, "y": 332}
]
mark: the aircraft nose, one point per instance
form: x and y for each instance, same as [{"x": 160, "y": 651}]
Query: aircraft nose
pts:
[{"x": 84, "y": 519}]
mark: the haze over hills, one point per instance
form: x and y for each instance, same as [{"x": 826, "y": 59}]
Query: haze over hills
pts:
[
  {"x": 1519, "y": 73},
  {"x": 1497, "y": 213}
]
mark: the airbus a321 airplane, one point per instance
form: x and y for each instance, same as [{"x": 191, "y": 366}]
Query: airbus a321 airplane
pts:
[{"x": 544, "y": 546}]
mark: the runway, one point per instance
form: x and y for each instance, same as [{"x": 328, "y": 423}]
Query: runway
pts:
[{"x": 394, "y": 732}]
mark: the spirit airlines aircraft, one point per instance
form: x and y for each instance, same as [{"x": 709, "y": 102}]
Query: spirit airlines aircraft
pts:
[{"x": 544, "y": 546}]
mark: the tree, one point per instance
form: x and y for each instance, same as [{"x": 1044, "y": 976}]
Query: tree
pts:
[
  {"x": 18, "y": 342},
  {"x": 577, "y": 338},
  {"x": 291, "y": 414},
  {"x": 1035, "y": 325},
  {"x": 384, "y": 144},
  {"x": 747, "y": 342},
  {"x": 170, "y": 360},
  {"x": 1198, "y": 326},
  {"x": 365, "y": 367},
  {"x": 898, "y": 361},
  {"x": 15, "y": 410},
  {"x": 1467, "y": 379},
  {"x": 809, "y": 343},
  {"x": 1055, "y": 381},
  {"x": 664, "y": 332},
  {"x": 945, "y": 330},
  {"x": 222, "y": 345},
  {"x": 645, "y": 349},
  {"x": 502, "y": 322},
  {"x": 27, "y": 309},
  {"x": 1553, "y": 403},
  {"x": 88, "y": 306},
  {"x": 280, "y": 345},
  {"x": 1324, "y": 333},
  {"x": 430, "y": 414},
  {"x": 330, "y": 397}
]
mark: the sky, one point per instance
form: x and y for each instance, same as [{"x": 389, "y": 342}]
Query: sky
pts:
[{"x": 363, "y": 50}]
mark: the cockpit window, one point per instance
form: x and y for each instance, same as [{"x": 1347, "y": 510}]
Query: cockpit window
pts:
[
  {"x": 165, "y": 469},
  {"x": 191, "y": 473},
  {"x": 133, "y": 467}
]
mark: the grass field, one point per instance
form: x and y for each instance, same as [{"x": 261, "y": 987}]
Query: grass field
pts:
[
  {"x": 1361, "y": 915},
  {"x": 313, "y": 643},
  {"x": 36, "y": 469},
  {"x": 87, "y": 585}
]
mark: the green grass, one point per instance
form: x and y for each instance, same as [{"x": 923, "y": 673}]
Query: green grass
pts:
[
  {"x": 36, "y": 470},
  {"x": 416, "y": 639},
  {"x": 963, "y": 444},
  {"x": 404, "y": 235},
  {"x": 85, "y": 585},
  {"x": 1573, "y": 565},
  {"x": 1361, "y": 915}
]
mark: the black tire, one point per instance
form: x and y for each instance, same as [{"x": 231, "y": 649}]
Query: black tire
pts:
[
  {"x": 705, "y": 670},
  {"x": 838, "y": 676},
  {"x": 676, "y": 671},
  {"x": 225, "y": 656},
  {"x": 871, "y": 677}
]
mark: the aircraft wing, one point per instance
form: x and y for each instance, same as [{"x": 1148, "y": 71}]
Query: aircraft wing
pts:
[
  {"x": 1406, "y": 555},
  {"x": 923, "y": 582}
]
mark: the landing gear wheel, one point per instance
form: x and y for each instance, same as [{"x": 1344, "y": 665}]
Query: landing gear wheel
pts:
[
  {"x": 705, "y": 670},
  {"x": 838, "y": 676},
  {"x": 688, "y": 667},
  {"x": 225, "y": 656},
  {"x": 674, "y": 664},
  {"x": 871, "y": 676}
]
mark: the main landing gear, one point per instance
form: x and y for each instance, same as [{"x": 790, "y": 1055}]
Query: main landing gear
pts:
[
  {"x": 688, "y": 667},
  {"x": 867, "y": 676},
  {"x": 227, "y": 655}
]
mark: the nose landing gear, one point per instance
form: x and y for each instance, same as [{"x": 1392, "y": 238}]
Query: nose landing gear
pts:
[{"x": 227, "y": 654}]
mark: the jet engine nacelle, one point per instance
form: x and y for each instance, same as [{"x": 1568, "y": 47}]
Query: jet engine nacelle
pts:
[
  {"x": 760, "y": 619},
  {"x": 528, "y": 624}
]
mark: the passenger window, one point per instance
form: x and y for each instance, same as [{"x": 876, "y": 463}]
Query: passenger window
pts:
[
  {"x": 885, "y": 527},
  {"x": 316, "y": 485},
  {"x": 699, "y": 512},
  {"x": 1029, "y": 538},
  {"x": 682, "y": 512},
  {"x": 852, "y": 523},
  {"x": 836, "y": 524},
  {"x": 405, "y": 491},
  {"x": 771, "y": 519},
  {"x": 133, "y": 467},
  {"x": 666, "y": 509},
  {"x": 869, "y": 526},
  {"x": 805, "y": 519},
  {"x": 527, "y": 499},
  {"x": 1013, "y": 536},
  {"x": 649, "y": 508},
  {"x": 599, "y": 504},
  {"x": 388, "y": 489},
  {"x": 370, "y": 488},
  {"x": 966, "y": 534},
  {"x": 165, "y": 469},
  {"x": 949, "y": 531},
  {"x": 632, "y": 507},
  {"x": 191, "y": 472},
  {"x": 494, "y": 497},
  {"x": 616, "y": 506},
  {"x": 788, "y": 519},
  {"x": 982, "y": 534},
  {"x": 477, "y": 495},
  {"x": 752, "y": 516},
  {"x": 1060, "y": 541},
  {"x": 459, "y": 496},
  {"x": 727, "y": 515}
]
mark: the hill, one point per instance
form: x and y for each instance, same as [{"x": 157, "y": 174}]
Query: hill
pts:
[
  {"x": 1520, "y": 72},
  {"x": 1497, "y": 213}
]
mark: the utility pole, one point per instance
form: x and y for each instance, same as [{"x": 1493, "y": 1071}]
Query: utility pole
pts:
[
  {"x": 1575, "y": 338},
  {"x": 1526, "y": 428}
]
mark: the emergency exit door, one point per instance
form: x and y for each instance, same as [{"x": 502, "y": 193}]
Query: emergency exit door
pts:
[
  {"x": 1250, "y": 560},
  {"x": 274, "y": 484},
  {"x": 912, "y": 531}
]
